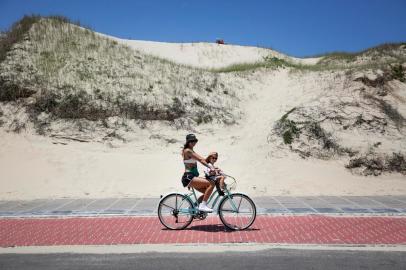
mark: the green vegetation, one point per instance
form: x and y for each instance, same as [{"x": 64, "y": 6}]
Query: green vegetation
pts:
[
  {"x": 391, "y": 112},
  {"x": 50, "y": 61},
  {"x": 374, "y": 164},
  {"x": 398, "y": 73},
  {"x": 325, "y": 138},
  {"x": 287, "y": 128},
  {"x": 305, "y": 132},
  {"x": 71, "y": 72},
  {"x": 333, "y": 61},
  {"x": 20, "y": 29},
  {"x": 239, "y": 67},
  {"x": 73, "y": 104},
  {"x": 10, "y": 91},
  {"x": 16, "y": 34},
  {"x": 270, "y": 62},
  {"x": 384, "y": 54},
  {"x": 380, "y": 49}
]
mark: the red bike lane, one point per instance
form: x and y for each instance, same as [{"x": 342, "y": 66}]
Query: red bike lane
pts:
[{"x": 114, "y": 230}]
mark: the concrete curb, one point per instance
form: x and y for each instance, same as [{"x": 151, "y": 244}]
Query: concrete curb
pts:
[{"x": 190, "y": 248}]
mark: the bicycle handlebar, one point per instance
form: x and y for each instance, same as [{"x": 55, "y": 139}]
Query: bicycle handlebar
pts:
[{"x": 228, "y": 176}]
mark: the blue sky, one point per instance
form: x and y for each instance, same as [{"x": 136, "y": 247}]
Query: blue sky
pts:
[{"x": 296, "y": 27}]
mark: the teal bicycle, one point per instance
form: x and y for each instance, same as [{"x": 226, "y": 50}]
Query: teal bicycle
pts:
[{"x": 237, "y": 211}]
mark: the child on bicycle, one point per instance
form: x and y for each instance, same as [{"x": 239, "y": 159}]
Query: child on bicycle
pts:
[{"x": 214, "y": 174}]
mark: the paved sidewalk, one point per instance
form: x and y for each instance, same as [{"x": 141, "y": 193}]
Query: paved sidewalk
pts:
[
  {"x": 307, "y": 229},
  {"x": 374, "y": 205},
  {"x": 321, "y": 220}
]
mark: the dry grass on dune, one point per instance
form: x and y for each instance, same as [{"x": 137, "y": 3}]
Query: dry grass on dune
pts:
[
  {"x": 59, "y": 77},
  {"x": 67, "y": 71}
]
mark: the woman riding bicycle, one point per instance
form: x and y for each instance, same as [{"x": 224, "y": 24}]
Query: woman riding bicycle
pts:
[{"x": 191, "y": 176}]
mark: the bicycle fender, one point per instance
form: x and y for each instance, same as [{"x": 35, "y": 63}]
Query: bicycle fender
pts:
[
  {"x": 173, "y": 193},
  {"x": 239, "y": 193}
]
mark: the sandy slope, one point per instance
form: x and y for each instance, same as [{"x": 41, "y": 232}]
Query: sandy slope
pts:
[
  {"x": 33, "y": 166},
  {"x": 265, "y": 170},
  {"x": 207, "y": 55},
  {"x": 39, "y": 167}
]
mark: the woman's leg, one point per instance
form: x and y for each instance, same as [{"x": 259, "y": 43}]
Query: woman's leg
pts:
[
  {"x": 203, "y": 186},
  {"x": 200, "y": 199},
  {"x": 201, "y": 190}
]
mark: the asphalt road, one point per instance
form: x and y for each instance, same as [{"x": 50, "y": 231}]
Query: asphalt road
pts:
[{"x": 267, "y": 259}]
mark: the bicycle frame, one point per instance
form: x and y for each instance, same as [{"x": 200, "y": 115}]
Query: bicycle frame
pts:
[
  {"x": 186, "y": 204},
  {"x": 213, "y": 197}
]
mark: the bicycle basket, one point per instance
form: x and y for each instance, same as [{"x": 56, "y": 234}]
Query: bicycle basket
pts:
[{"x": 231, "y": 183}]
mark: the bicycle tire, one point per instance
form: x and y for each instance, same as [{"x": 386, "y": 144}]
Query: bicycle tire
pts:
[
  {"x": 182, "y": 198},
  {"x": 222, "y": 210}
]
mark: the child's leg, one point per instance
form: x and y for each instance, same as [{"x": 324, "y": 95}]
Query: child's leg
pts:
[
  {"x": 222, "y": 178},
  {"x": 219, "y": 190}
]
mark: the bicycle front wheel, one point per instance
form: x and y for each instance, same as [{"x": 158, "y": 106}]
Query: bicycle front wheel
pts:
[
  {"x": 237, "y": 211},
  {"x": 175, "y": 211}
]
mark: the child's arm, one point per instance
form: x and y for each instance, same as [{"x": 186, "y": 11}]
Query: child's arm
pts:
[
  {"x": 218, "y": 171},
  {"x": 210, "y": 169}
]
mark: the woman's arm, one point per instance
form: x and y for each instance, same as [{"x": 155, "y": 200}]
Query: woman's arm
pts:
[{"x": 200, "y": 159}]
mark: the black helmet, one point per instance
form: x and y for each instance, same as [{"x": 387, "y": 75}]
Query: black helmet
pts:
[{"x": 191, "y": 138}]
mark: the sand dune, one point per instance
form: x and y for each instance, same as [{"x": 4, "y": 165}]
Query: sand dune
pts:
[
  {"x": 141, "y": 157},
  {"x": 32, "y": 166},
  {"x": 207, "y": 55}
]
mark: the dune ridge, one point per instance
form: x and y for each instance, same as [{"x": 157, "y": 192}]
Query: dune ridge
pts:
[{"x": 83, "y": 114}]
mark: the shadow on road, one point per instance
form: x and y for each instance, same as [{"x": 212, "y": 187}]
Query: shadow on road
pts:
[{"x": 214, "y": 228}]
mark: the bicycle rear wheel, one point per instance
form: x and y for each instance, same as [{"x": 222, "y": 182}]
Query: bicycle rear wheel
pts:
[
  {"x": 237, "y": 211},
  {"x": 175, "y": 211}
]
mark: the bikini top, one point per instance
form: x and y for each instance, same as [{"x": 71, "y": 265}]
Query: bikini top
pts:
[{"x": 190, "y": 161}]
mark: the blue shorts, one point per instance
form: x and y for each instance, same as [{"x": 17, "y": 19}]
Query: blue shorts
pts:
[{"x": 212, "y": 178}]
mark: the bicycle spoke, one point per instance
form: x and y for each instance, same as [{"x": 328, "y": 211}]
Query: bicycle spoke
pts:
[
  {"x": 229, "y": 210},
  {"x": 168, "y": 206},
  {"x": 240, "y": 219},
  {"x": 177, "y": 217},
  {"x": 239, "y": 205}
]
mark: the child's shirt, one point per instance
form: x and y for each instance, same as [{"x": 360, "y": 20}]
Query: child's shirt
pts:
[{"x": 207, "y": 170}]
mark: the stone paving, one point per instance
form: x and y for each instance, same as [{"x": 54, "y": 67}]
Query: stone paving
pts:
[
  {"x": 303, "y": 229},
  {"x": 347, "y": 220},
  {"x": 374, "y": 205}
]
